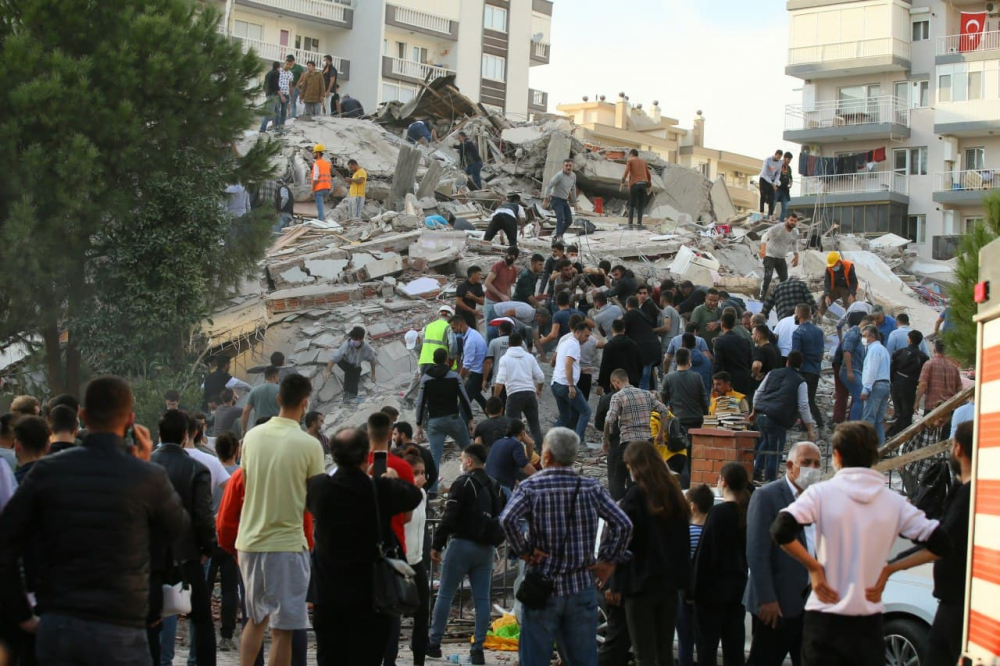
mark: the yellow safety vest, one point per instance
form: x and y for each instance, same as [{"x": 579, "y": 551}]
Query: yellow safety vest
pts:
[{"x": 435, "y": 335}]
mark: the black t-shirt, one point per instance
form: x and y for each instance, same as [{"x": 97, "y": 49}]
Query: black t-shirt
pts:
[
  {"x": 769, "y": 357},
  {"x": 949, "y": 572},
  {"x": 525, "y": 286},
  {"x": 463, "y": 292},
  {"x": 491, "y": 430}
]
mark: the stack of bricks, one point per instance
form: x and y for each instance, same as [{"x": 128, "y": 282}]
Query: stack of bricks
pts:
[
  {"x": 319, "y": 296},
  {"x": 711, "y": 448}
]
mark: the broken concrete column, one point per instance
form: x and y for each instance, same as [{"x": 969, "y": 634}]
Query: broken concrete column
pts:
[
  {"x": 406, "y": 173},
  {"x": 431, "y": 179},
  {"x": 722, "y": 203},
  {"x": 560, "y": 144}
]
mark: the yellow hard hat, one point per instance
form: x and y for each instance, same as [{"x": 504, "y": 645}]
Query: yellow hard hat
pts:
[
  {"x": 832, "y": 259},
  {"x": 320, "y": 148}
]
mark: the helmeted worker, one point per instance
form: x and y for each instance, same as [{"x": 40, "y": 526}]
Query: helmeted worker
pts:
[
  {"x": 839, "y": 282},
  {"x": 434, "y": 336},
  {"x": 322, "y": 179}
]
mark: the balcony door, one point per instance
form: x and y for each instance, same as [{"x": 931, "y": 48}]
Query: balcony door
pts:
[
  {"x": 975, "y": 159},
  {"x": 858, "y": 101}
]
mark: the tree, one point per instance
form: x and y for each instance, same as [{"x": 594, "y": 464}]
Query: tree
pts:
[
  {"x": 961, "y": 340},
  {"x": 102, "y": 103}
]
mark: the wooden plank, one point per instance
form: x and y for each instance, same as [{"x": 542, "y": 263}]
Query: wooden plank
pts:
[
  {"x": 942, "y": 410},
  {"x": 912, "y": 457}
]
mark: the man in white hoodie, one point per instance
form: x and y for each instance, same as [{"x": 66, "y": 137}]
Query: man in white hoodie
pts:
[
  {"x": 857, "y": 519},
  {"x": 520, "y": 374}
]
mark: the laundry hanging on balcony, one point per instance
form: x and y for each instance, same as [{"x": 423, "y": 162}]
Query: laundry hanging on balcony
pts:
[{"x": 814, "y": 165}]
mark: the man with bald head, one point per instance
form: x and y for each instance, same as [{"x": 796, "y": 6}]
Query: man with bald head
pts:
[{"x": 773, "y": 594}]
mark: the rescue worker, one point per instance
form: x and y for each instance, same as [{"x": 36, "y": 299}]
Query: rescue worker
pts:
[
  {"x": 434, "y": 336},
  {"x": 839, "y": 282},
  {"x": 322, "y": 179}
]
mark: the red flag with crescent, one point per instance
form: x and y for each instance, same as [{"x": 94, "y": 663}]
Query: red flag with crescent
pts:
[{"x": 973, "y": 25}]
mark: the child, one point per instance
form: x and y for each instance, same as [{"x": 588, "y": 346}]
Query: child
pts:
[
  {"x": 227, "y": 447},
  {"x": 701, "y": 498}
]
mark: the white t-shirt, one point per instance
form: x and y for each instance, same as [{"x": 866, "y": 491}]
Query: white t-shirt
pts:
[
  {"x": 215, "y": 468},
  {"x": 784, "y": 330},
  {"x": 413, "y": 532},
  {"x": 568, "y": 347}
]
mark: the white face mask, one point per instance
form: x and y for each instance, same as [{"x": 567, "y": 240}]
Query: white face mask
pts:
[
  {"x": 865, "y": 341},
  {"x": 808, "y": 476}
]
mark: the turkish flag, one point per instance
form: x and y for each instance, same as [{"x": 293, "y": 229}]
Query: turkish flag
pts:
[{"x": 973, "y": 24}]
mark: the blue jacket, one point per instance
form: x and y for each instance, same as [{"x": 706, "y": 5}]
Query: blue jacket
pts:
[
  {"x": 808, "y": 339},
  {"x": 774, "y": 575}
]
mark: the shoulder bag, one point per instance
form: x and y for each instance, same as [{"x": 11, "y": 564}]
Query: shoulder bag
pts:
[
  {"x": 537, "y": 588},
  {"x": 394, "y": 587}
]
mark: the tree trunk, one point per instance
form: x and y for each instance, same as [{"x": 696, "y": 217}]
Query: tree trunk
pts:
[
  {"x": 73, "y": 365},
  {"x": 53, "y": 357}
]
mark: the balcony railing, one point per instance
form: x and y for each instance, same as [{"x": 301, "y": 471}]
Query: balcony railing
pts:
[
  {"x": 322, "y": 9},
  {"x": 985, "y": 41},
  {"x": 423, "y": 20},
  {"x": 972, "y": 179},
  {"x": 856, "y": 183},
  {"x": 865, "y": 48},
  {"x": 278, "y": 52},
  {"x": 540, "y": 50},
  {"x": 844, "y": 113},
  {"x": 415, "y": 70}
]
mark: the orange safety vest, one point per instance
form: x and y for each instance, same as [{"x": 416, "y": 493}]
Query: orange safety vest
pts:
[
  {"x": 322, "y": 175},
  {"x": 845, "y": 268}
]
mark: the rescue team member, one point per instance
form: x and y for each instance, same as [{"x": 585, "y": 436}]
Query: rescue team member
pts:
[
  {"x": 433, "y": 337},
  {"x": 839, "y": 282},
  {"x": 322, "y": 179}
]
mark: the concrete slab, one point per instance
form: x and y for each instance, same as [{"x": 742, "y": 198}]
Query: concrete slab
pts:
[
  {"x": 404, "y": 175},
  {"x": 560, "y": 144},
  {"x": 326, "y": 270},
  {"x": 430, "y": 181}
]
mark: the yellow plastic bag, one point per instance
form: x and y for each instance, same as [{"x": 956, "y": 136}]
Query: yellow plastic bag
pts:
[{"x": 504, "y": 634}]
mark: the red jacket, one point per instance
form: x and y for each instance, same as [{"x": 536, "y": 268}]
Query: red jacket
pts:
[{"x": 227, "y": 520}]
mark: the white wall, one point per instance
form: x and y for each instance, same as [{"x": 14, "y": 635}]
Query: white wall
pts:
[
  {"x": 469, "y": 51},
  {"x": 519, "y": 24},
  {"x": 363, "y": 46}
]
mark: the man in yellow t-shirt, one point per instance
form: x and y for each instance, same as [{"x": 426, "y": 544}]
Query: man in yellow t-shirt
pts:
[
  {"x": 278, "y": 459},
  {"x": 356, "y": 198},
  {"x": 722, "y": 386}
]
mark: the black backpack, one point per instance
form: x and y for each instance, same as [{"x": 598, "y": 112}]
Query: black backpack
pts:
[
  {"x": 490, "y": 502},
  {"x": 936, "y": 490}
]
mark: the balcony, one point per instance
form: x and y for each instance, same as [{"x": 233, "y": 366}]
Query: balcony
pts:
[
  {"x": 411, "y": 72},
  {"x": 422, "y": 22},
  {"x": 868, "y": 187},
  {"x": 962, "y": 48},
  {"x": 272, "y": 52},
  {"x": 971, "y": 118},
  {"x": 965, "y": 187},
  {"x": 540, "y": 53},
  {"x": 538, "y": 101},
  {"x": 338, "y": 13},
  {"x": 868, "y": 56},
  {"x": 848, "y": 120}
]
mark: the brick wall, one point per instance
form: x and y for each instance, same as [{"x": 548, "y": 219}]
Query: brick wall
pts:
[
  {"x": 335, "y": 296},
  {"x": 712, "y": 448}
]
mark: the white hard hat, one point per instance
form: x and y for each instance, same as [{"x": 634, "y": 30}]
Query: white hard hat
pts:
[
  {"x": 411, "y": 339},
  {"x": 447, "y": 308}
]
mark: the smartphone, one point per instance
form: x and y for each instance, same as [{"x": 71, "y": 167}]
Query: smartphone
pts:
[
  {"x": 379, "y": 461},
  {"x": 130, "y": 438}
]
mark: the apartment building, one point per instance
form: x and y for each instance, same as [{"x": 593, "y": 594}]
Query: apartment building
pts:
[
  {"x": 896, "y": 79},
  {"x": 621, "y": 124},
  {"x": 384, "y": 50}
]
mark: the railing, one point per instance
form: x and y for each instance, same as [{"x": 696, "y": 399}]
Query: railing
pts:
[
  {"x": 844, "y": 113},
  {"x": 415, "y": 70},
  {"x": 866, "y": 48},
  {"x": 855, "y": 183},
  {"x": 323, "y": 9},
  {"x": 278, "y": 52},
  {"x": 540, "y": 50},
  {"x": 423, "y": 20},
  {"x": 972, "y": 179},
  {"x": 984, "y": 41}
]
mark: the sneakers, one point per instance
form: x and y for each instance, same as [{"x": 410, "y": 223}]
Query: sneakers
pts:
[
  {"x": 478, "y": 657},
  {"x": 433, "y": 651},
  {"x": 227, "y": 645}
]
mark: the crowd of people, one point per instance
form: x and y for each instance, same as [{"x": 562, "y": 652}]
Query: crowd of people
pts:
[{"x": 108, "y": 532}]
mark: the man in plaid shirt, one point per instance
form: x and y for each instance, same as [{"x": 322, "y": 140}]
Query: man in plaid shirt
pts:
[
  {"x": 560, "y": 543},
  {"x": 632, "y": 408},
  {"x": 786, "y": 296}
]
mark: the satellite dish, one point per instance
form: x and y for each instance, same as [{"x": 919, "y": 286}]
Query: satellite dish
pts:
[{"x": 538, "y": 36}]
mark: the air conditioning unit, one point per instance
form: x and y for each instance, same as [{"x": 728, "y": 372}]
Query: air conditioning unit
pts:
[
  {"x": 945, "y": 247},
  {"x": 993, "y": 8}
]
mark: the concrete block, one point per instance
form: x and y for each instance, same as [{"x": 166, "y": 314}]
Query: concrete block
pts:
[
  {"x": 430, "y": 181},
  {"x": 404, "y": 175},
  {"x": 722, "y": 203},
  {"x": 376, "y": 269},
  {"x": 560, "y": 144}
]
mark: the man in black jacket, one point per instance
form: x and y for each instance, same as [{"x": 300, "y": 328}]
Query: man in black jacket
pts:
[
  {"x": 734, "y": 354},
  {"x": 193, "y": 483},
  {"x": 620, "y": 352},
  {"x": 441, "y": 401},
  {"x": 271, "y": 95},
  {"x": 904, "y": 370},
  {"x": 95, "y": 507},
  {"x": 472, "y": 163},
  {"x": 473, "y": 506}
]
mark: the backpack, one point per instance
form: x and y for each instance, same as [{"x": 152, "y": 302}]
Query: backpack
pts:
[
  {"x": 936, "y": 490},
  {"x": 490, "y": 503},
  {"x": 586, "y": 226}
]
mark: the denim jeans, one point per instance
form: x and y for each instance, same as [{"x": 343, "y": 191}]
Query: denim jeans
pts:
[
  {"x": 270, "y": 112},
  {"x": 573, "y": 412},
  {"x": 282, "y": 112},
  {"x": 201, "y": 603},
  {"x": 685, "y": 632},
  {"x": 782, "y": 197},
  {"x": 314, "y": 108},
  {"x": 473, "y": 171},
  {"x": 440, "y": 427},
  {"x": 284, "y": 219},
  {"x": 224, "y": 565},
  {"x": 294, "y": 103},
  {"x": 526, "y": 403},
  {"x": 564, "y": 215},
  {"x": 874, "y": 408},
  {"x": 168, "y": 639},
  {"x": 647, "y": 377},
  {"x": 320, "y": 195},
  {"x": 769, "y": 448},
  {"x": 854, "y": 388},
  {"x": 572, "y": 619},
  {"x": 464, "y": 558},
  {"x": 63, "y": 640}
]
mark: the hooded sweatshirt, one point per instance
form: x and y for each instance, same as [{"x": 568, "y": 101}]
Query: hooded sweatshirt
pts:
[
  {"x": 442, "y": 394},
  {"x": 857, "y": 520},
  {"x": 518, "y": 371}
]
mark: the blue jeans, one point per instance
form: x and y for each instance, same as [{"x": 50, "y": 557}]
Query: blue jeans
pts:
[
  {"x": 440, "y": 427},
  {"x": 770, "y": 446},
  {"x": 854, "y": 388},
  {"x": 282, "y": 112},
  {"x": 874, "y": 408},
  {"x": 320, "y": 196},
  {"x": 295, "y": 103},
  {"x": 473, "y": 171},
  {"x": 647, "y": 377},
  {"x": 570, "y": 619},
  {"x": 573, "y": 412},
  {"x": 464, "y": 558},
  {"x": 62, "y": 639},
  {"x": 489, "y": 312},
  {"x": 270, "y": 112},
  {"x": 685, "y": 632},
  {"x": 783, "y": 199},
  {"x": 564, "y": 215},
  {"x": 168, "y": 639}
]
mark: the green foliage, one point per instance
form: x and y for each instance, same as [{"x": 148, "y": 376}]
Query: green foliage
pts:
[
  {"x": 148, "y": 391},
  {"x": 961, "y": 340},
  {"x": 118, "y": 123}
]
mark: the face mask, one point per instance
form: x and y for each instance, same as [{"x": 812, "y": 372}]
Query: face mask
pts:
[
  {"x": 808, "y": 476},
  {"x": 355, "y": 343},
  {"x": 509, "y": 261},
  {"x": 631, "y": 475},
  {"x": 865, "y": 342},
  {"x": 836, "y": 269}
]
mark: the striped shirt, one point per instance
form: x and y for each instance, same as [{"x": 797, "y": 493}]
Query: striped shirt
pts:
[{"x": 695, "y": 532}]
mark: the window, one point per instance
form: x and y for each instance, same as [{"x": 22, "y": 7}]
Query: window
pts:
[
  {"x": 248, "y": 30},
  {"x": 975, "y": 158},
  {"x": 306, "y": 43},
  {"x": 495, "y": 18},
  {"x": 392, "y": 92},
  {"x": 537, "y": 98},
  {"x": 921, "y": 31},
  {"x": 910, "y": 161},
  {"x": 857, "y": 99},
  {"x": 975, "y": 85},
  {"x": 968, "y": 224},
  {"x": 420, "y": 54},
  {"x": 493, "y": 67},
  {"x": 944, "y": 88},
  {"x": 916, "y": 228},
  {"x": 901, "y": 90},
  {"x": 493, "y": 108},
  {"x": 923, "y": 98},
  {"x": 912, "y": 94},
  {"x": 401, "y": 50}
]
